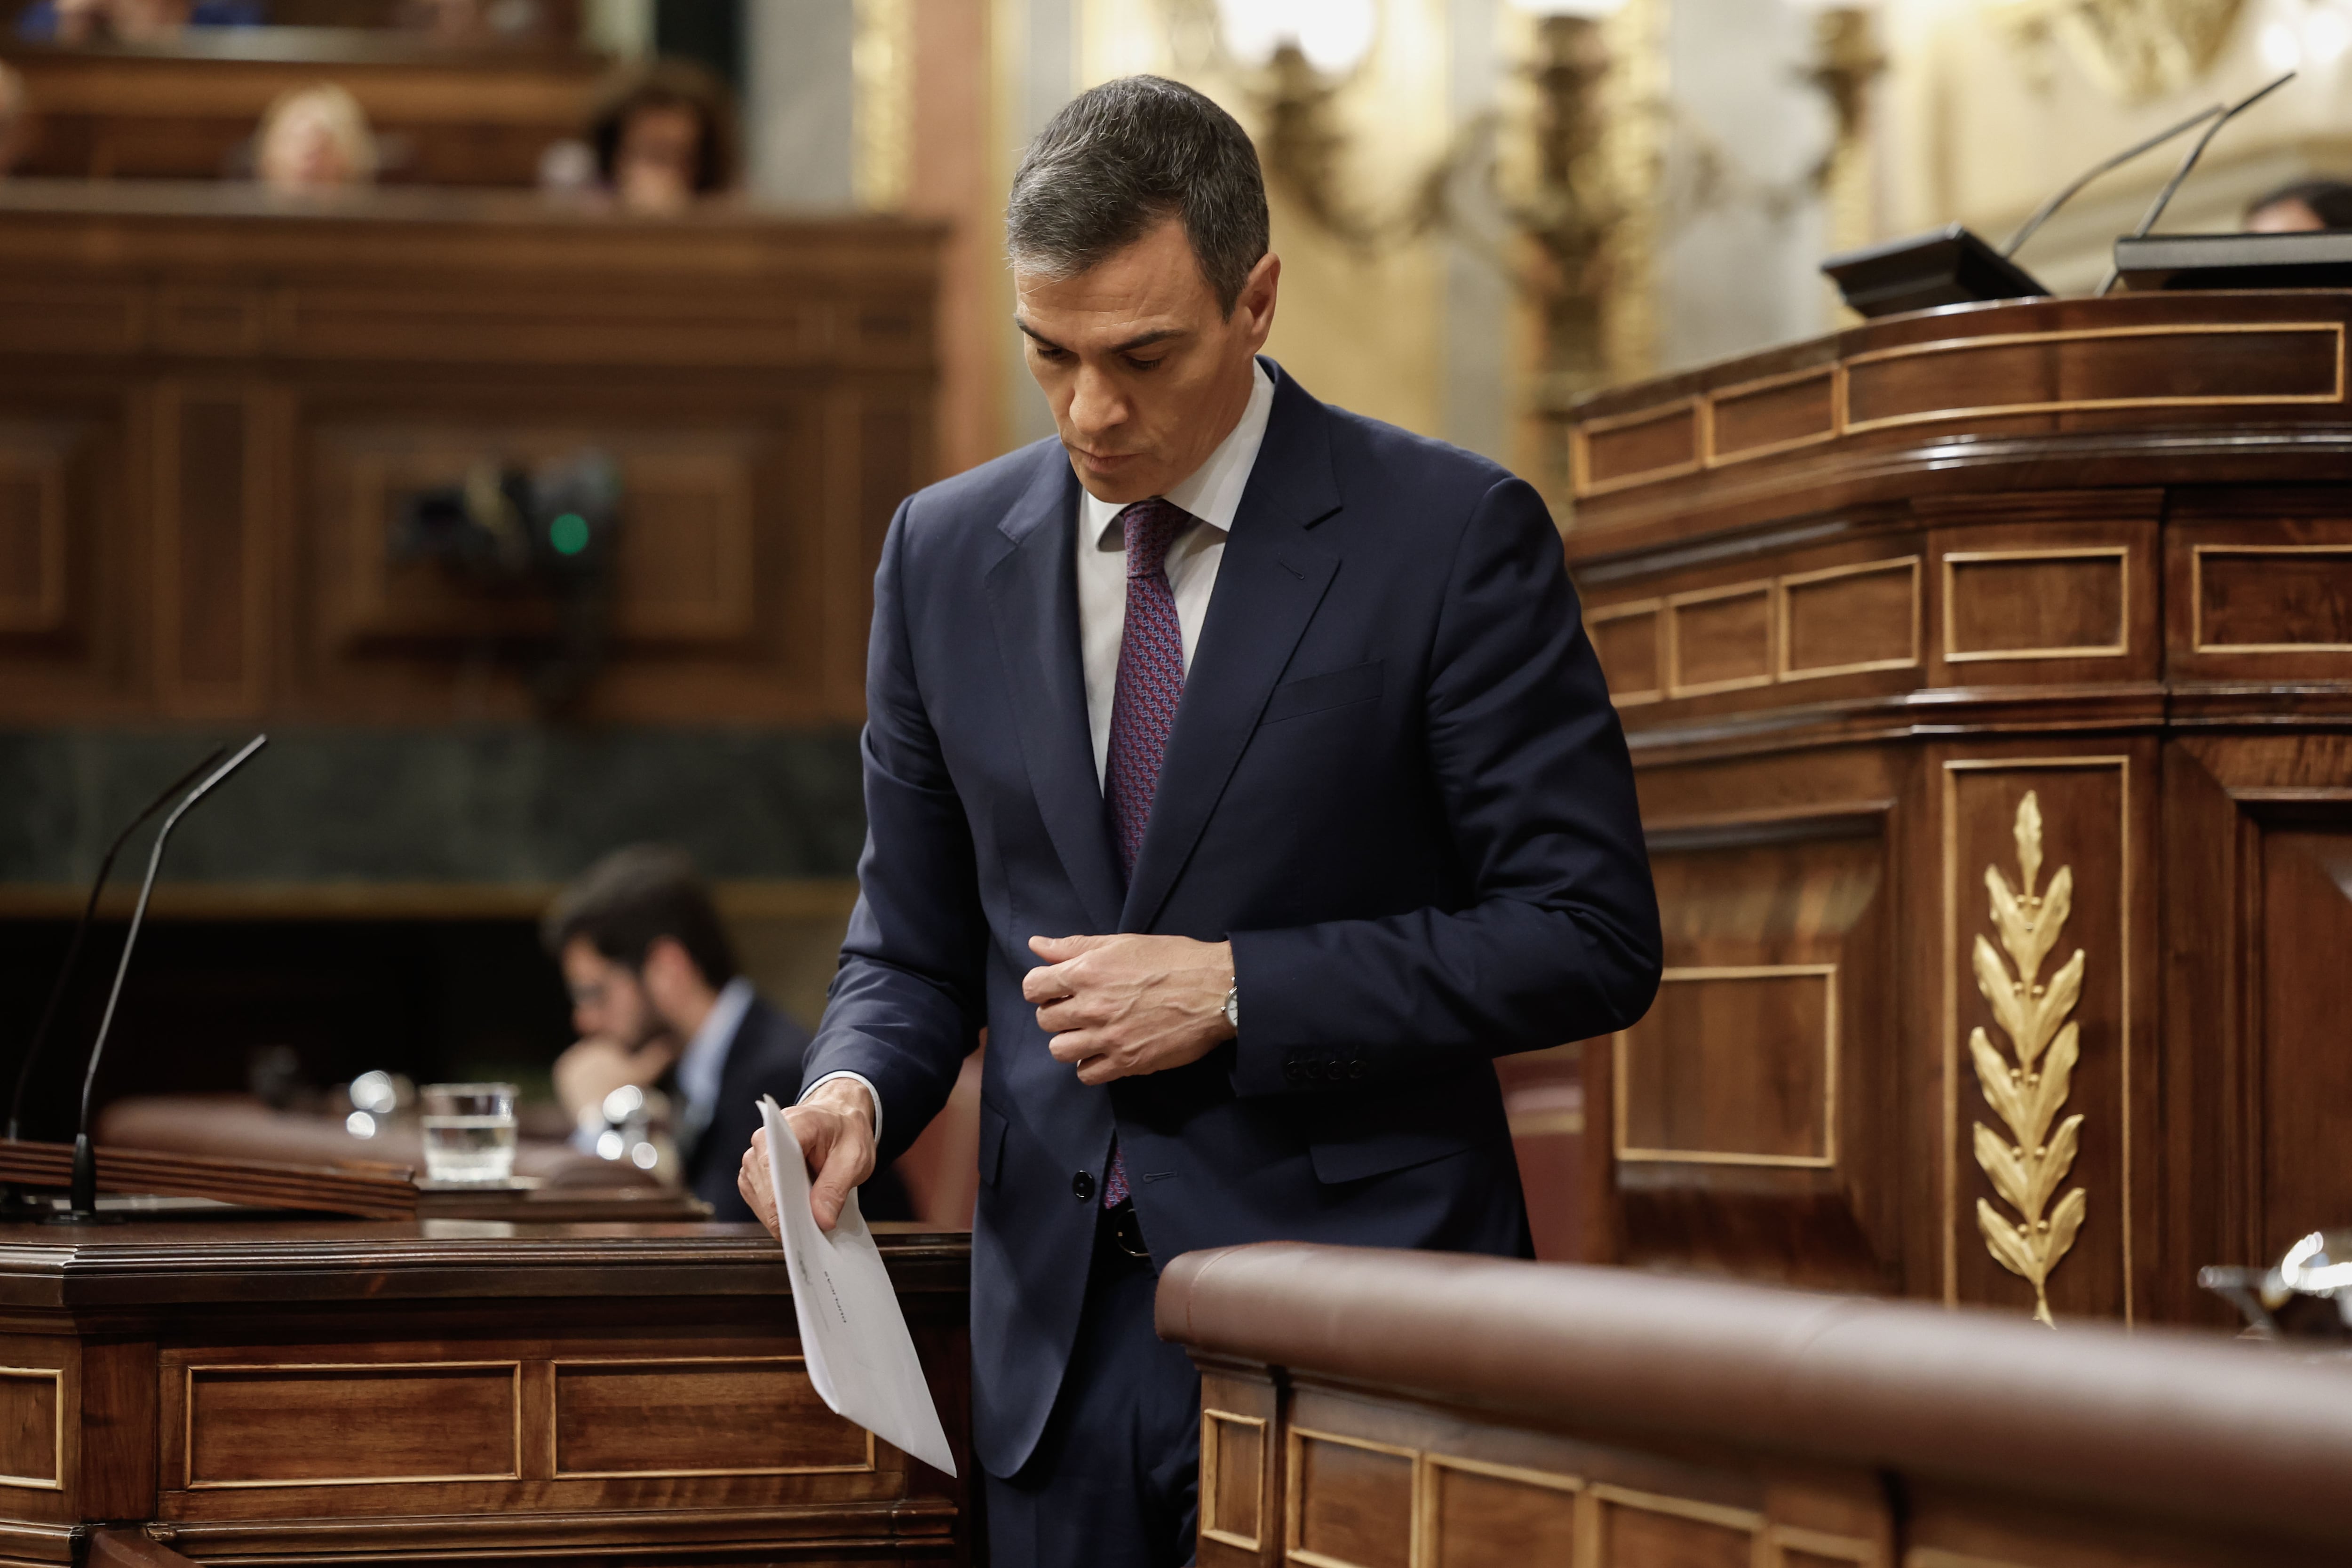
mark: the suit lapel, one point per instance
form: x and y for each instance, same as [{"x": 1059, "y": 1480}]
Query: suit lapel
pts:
[
  {"x": 1033, "y": 591},
  {"x": 1273, "y": 576}
]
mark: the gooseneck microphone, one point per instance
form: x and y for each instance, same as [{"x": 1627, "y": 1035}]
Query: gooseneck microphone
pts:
[
  {"x": 2189, "y": 160},
  {"x": 81, "y": 932},
  {"x": 83, "y": 1203},
  {"x": 2066, "y": 193}
]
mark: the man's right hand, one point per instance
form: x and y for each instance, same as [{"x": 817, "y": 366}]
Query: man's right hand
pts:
[
  {"x": 835, "y": 1127},
  {"x": 595, "y": 1068}
]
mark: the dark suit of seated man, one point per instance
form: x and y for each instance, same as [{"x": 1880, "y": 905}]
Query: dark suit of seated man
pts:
[
  {"x": 658, "y": 1003},
  {"x": 1242, "y": 765}
]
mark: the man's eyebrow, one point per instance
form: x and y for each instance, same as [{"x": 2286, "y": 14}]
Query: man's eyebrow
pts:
[{"x": 1141, "y": 340}]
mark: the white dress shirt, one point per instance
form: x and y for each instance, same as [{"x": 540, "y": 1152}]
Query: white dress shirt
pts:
[{"x": 1213, "y": 494}]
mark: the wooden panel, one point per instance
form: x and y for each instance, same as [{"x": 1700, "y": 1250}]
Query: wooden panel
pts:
[
  {"x": 2280, "y": 598},
  {"x": 1475, "y": 1514},
  {"x": 2079, "y": 818},
  {"x": 685, "y": 569},
  {"x": 348, "y": 1425},
  {"x": 1640, "y": 1530},
  {"x": 1234, "y": 1453},
  {"x": 757, "y": 1416},
  {"x": 685, "y": 566},
  {"x": 1843, "y": 620},
  {"x": 2303, "y": 1082},
  {"x": 1733, "y": 1065},
  {"x": 1719, "y": 639},
  {"x": 2095, "y": 369},
  {"x": 65, "y": 318},
  {"x": 1350, "y": 1502},
  {"x": 211, "y": 564},
  {"x": 1626, "y": 638},
  {"x": 32, "y": 1440},
  {"x": 1774, "y": 414},
  {"x": 32, "y": 540},
  {"x": 2036, "y": 604},
  {"x": 1633, "y": 448}
]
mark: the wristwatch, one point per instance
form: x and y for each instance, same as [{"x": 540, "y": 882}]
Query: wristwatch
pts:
[{"x": 1233, "y": 1007}]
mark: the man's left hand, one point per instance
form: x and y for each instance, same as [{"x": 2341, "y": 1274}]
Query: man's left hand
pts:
[{"x": 1121, "y": 1005}]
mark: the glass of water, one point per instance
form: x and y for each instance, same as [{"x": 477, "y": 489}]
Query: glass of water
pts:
[{"x": 470, "y": 1131}]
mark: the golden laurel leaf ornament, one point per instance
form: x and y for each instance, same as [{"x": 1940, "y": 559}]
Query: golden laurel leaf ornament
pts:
[{"x": 2027, "y": 1167}]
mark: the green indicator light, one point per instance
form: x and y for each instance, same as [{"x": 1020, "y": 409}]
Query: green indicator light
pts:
[{"x": 568, "y": 533}]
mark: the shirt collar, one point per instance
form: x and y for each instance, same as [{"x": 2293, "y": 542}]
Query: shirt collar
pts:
[
  {"x": 1211, "y": 493},
  {"x": 705, "y": 1058}
]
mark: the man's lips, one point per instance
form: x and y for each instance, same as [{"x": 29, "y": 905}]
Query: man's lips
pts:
[{"x": 1106, "y": 460}]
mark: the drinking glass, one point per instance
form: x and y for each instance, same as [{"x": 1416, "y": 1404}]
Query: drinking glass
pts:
[{"x": 470, "y": 1131}]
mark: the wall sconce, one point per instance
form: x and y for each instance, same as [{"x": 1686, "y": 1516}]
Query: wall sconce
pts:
[
  {"x": 2137, "y": 49},
  {"x": 1846, "y": 60},
  {"x": 1294, "y": 57}
]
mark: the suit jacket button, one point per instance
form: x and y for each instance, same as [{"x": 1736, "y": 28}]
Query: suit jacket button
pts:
[
  {"x": 1293, "y": 1072},
  {"x": 1356, "y": 1069},
  {"x": 1083, "y": 1185}
]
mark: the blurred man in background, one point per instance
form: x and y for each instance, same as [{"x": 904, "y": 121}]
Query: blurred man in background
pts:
[
  {"x": 2302, "y": 208},
  {"x": 659, "y": 1004}
]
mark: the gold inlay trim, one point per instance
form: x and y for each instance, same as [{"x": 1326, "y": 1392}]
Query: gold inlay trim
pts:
[
  {"x": 1427, "y": 1519},
  {"x": 1780, "y": 1539},
  {"x": 2197, "y": 554},
  {"x": 1602, "y": 614},
  {"x": 1826, "y": 1159},
  {"x": 55, "y": 1480},
  {"x": 1702, "y": 405},
  {"x": 1715, "y": 457},
  {"x": 2027, "y": 1170},
  {"x": 1785, "y": 671},
  {"x": 188, "y": 1422},
  {"x": 1741, "y": 1518},
  {"x": 1580, "y": 453},
  {"x": 1294, "y": 1463},
  {"x": 1674, "y": 603},
  {"x": 2119, "y": 554},
  {"x": 554, "y": 1409},
  {"x": 2333, "y": 330},
  {"x": 1213, "y": 1465},
  {"x": 1953, "y": 769}
]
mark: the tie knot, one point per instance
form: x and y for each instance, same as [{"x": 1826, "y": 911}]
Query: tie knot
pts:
[{"x": 1150, "y": 526}]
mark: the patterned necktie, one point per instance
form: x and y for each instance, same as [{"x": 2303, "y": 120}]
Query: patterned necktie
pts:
[{"x": 1143, "y": 710}]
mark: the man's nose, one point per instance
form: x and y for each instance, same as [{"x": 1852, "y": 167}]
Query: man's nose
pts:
[{"x": 1096, "y": 404}]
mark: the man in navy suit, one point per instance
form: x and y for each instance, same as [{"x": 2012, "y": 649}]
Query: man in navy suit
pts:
[{"x": 1241, "y": 766}]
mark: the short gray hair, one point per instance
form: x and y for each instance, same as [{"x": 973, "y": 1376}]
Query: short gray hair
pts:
[{"x": 1122, "y": 157}]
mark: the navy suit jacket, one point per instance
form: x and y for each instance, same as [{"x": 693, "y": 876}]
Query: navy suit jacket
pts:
[{"x": 1395, "y": 783}]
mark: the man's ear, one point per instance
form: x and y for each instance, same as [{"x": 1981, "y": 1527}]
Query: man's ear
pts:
[
  {"x": 668, "y": 972},
  {"x": 1256, "y": 298}
]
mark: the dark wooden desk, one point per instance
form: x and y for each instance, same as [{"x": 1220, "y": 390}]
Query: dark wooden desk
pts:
[
  {"x": 319, "y": 1392},
  {"x": 2025, "y": 593},
  {"x": 1372, "y": 1409}
]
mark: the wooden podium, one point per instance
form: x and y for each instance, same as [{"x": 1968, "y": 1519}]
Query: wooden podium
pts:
[
  {"x": 1989, "y": 674},
  {"x": 270, "y": 1392}
]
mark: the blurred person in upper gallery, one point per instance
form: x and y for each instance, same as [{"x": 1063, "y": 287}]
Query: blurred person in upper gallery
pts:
[
  {"x": 2302, "y": 207},
  {"x": 314, "y": 138},
  {"x": 665, "y": 137},
  {"x": 130, "y": 21}
]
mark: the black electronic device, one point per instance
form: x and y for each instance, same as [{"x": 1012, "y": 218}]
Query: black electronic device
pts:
[
  {"x": 2189, "y": 160},
  {"x": 2317, "y": 258},
  {"x": 1955, "y": 266},
  {"x": 548, "y": 533},
  {"x": 82, "y": 1204},
  {"x": 1952, "y": 266}
]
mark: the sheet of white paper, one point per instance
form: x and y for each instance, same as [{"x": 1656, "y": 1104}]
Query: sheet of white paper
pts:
[{"x": 859, "y": 1354}]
